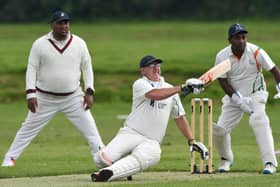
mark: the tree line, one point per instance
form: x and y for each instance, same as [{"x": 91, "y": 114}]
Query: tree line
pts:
[{"x": 90, "y": 10}]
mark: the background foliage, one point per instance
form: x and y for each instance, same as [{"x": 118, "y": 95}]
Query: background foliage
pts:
[
  {"x": 116, "y": 48},
  {"x": 88, "y": 10}
]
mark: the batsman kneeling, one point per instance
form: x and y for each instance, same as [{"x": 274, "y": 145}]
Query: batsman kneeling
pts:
[{"x": 137, "y": 145}]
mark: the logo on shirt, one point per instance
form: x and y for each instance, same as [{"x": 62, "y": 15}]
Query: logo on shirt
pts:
[{"x": 157, "y": 104}]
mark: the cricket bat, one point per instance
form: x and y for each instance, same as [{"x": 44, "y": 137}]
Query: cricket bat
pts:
[{"x": 213, "y": 73}]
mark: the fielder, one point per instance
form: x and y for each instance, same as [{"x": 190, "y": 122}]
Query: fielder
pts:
[
  {"x": 137, "y": 145},
  {"x": 54, "y": 68},
  {"x": 245, "y": 90}
]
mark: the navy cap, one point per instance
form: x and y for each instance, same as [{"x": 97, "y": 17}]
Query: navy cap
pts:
[
  {"x": 235, "y": 29},
  {"x": 60, "y": 16},
  {"x": 145, "y": 61}
]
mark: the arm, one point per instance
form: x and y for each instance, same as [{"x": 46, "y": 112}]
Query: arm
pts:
[
  {"x": 162, "y": 93},
  {"x": 226, "y": 86},
  {"x": 192, "y": 85},
  {"x": 30, "y": 77},
  {"x": 88, "y": 77},
  {"x": 275, "y": 72},
  {"x": 184, "y": 127}
]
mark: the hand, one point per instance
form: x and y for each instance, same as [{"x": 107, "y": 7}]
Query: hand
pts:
[
  {"x": 32, "y": 104},
  {"x": 192, "y": 85},
  {"x": 277, "y": 96},
  {"x": 88, "y": 101},
  {"x": 200, "y": 148},
  {"x": 242, "y": 102}
]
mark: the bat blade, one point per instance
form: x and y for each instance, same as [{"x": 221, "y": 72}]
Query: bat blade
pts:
[
  {"x": 212, "y": 74},
  {"x": 215, "y": 72}
]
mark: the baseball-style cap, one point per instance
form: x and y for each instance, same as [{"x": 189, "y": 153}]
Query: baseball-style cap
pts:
[
  {"x": 146, "y": 60},
  {"x": 235, "y": 29},
  {"x": 59, "y": 16}
]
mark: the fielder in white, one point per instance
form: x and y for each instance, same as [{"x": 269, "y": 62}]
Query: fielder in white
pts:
[
  {"x": 55, "y": 64},
  {"x": 137, "y": 145},
  {"x": 245, "y": 90}
]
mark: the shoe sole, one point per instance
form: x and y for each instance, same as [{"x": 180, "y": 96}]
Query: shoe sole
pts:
[
  {"x": 102, "y": 176},
  {"x": 223, "y": 171},
  {"x": 266, "y": 172}
]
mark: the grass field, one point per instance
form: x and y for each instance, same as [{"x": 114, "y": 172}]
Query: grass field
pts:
[
  {"x": 60, "y": 150},
  {"x": 188, "y": 49}
]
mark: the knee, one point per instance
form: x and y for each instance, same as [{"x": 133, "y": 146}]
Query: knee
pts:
[
  {"x": 147, "y": 155},
  {"x": 101, "y": 160},
  {"x": 218, "y": 130},
  {"x": 258, "y": 118}
]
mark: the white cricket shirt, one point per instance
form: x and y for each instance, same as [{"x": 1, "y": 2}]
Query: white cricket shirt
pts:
[
  {"x": 57, "y": 67},
  {"x": 150, "y": 117},
  {"x": 244, "y": 75}
]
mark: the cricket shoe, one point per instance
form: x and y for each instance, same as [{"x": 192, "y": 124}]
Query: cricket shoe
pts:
[
  {"x": 8, "y": 162},
  {"x": 102, "y": 176},
  {"x": 224, "y": 165},
  {"x": 269, "y": 168}
]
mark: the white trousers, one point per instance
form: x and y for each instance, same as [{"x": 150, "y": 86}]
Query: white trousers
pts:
[
  {"x": 259, "y": 122},
  {"x": 48, "y": 105},
  {"x": 128, "y": 141},
  {"x": 131, "y": 152}
]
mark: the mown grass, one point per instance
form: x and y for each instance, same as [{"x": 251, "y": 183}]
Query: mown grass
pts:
[
  {"x": 61, "y": 150},
  {"x": 187, "y": 48}
]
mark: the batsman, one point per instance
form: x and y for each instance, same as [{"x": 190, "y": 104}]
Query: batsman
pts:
[
  {"x": 136, "y": 147},
  {"x": 246, "y": 92}
]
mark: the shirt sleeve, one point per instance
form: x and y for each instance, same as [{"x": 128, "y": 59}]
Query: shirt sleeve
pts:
[
  {"x": 32, "y": 69},
  {"x": 140, "y": 88},
  {"x": 177, "y": 107},
  {"x": 86, "y": 67},
  {"x": 265, "y": 61}
]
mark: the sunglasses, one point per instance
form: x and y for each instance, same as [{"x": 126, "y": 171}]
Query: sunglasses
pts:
[{"x": 154, "y": 65}]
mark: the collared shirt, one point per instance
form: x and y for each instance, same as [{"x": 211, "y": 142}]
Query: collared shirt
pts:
[
  {"x": 150, "y": 117},
  {"x": 56, "y": 66},
  {"x": 244, "y": 75}
]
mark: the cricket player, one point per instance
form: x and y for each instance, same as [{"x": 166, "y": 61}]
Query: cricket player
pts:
[
  {"x": 55, "y": 64},
  {"x": 137, "y": 145},
  {"x": 245, "y": 90}
]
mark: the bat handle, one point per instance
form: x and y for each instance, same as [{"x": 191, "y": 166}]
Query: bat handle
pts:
[{"x": 187, "y": 91}]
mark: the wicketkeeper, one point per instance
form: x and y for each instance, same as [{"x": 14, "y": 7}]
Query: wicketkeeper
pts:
[
  {"x": 137, "y": 145},
  {"x": 245, "y": 90}
]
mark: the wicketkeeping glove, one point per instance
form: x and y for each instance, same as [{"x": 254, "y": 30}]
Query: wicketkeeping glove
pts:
[
  {"x": 277, "y": 96},
  {"x": 200, "y": 148},
  {"x": 242, "y": 102}
]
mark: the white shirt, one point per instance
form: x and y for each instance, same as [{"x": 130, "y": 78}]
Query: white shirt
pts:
[
  {"x": 149, "y": 117},
  {"x": 244, "y": 75},
  {"x": 52, "y": 70}
]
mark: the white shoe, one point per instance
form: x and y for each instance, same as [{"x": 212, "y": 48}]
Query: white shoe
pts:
[
  {"x": 224, "y": 165},
  {"x": 269, "y": 168},
  {"x": 8, "y": 162}
]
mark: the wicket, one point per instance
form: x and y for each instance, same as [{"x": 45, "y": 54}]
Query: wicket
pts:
[{"x": 208, "y": 167}]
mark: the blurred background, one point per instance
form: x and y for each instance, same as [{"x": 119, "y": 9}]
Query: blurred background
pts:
[
  {"x": 185, "y": 34},
  {"x": 89, "y": 10}
]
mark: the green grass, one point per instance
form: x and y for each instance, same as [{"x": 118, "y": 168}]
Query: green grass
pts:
[
  {"x": 188, "y": 49},
  {"x": 60, "y": 149}
]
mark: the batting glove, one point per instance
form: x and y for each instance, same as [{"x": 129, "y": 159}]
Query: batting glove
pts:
[
  {"x": 242, "y": 102},
  {"x": 277, "y": 96},
  {"x": 192, "y": 85},
  {"x": 200, "y": 148}
]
